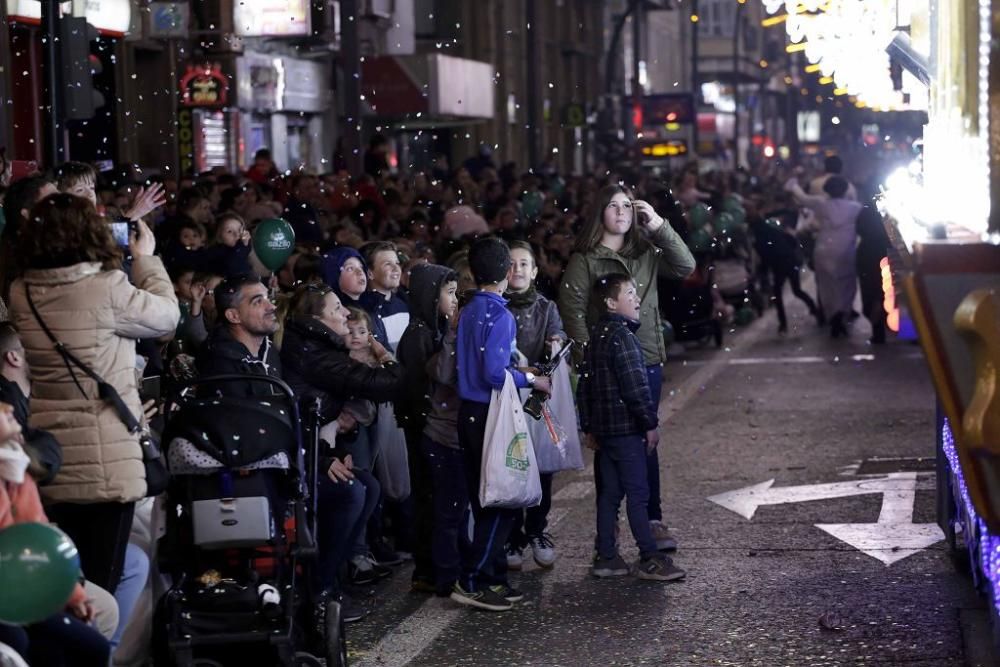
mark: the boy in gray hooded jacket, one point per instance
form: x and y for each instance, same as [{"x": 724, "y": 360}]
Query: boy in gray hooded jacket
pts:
[{"x": 428, "y": 413}]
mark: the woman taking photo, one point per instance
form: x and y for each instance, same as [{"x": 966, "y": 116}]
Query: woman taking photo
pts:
[
  {"x": 68, "y": 261},
  {"x": 612, "y": 242}
]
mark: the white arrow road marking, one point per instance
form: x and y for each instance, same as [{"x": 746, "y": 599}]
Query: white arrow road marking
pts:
[
  {"x": 745, "y": 501},
  {"x": 893, "y": 537}
]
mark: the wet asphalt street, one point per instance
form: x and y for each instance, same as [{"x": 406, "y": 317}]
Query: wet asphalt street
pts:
[{"x": 774, "y": 589}]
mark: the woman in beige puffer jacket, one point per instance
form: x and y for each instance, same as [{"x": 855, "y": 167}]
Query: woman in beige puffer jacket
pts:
[{"x": 68, "y": 261}]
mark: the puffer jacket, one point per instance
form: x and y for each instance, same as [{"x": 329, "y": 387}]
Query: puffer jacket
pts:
[
  {"x": 317, "y": 364},
  {"x": 98, "y": 315},
  {"x": 667, "y": 257}
]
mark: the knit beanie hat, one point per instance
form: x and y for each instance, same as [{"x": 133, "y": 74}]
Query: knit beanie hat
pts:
[{"x": 489, "y": 261}]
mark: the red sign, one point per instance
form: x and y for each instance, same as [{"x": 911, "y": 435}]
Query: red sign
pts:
[
  {"x": 390, "y": 89},
  {"x": 204, "y": 86}
]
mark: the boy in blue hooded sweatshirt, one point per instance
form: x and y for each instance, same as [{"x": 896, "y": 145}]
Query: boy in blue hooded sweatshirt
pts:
[
  {"x": 486, "y": 334},
  {"x": 345, "y": 271}
]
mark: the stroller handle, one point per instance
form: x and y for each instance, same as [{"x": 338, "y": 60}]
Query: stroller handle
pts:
[{"x": 238, "y": 377}]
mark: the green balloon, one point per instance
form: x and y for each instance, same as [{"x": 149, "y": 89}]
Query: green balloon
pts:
[
  {"x": 724, "y": 222},
  {"x": 39, "y": 567},
  {"x": 700, "y": 240},
  {"x": 699, "y": 215},
  {"x": 273, "y": 242},
  {"x": 732, "y": 204}
]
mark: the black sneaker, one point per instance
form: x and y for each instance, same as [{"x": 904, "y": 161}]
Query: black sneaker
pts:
[
  {"x": 484, "y": 599},
  {"x": 659, "y": 569},
  {"x": 508, "y": 592},
  {"x": 383, "y": 555},
  {"x": 360, "y": 571},
  {"x": 609, "y": 567},
  {"x": 350, "y": 610},
  {"x": 422, "y": 585}
]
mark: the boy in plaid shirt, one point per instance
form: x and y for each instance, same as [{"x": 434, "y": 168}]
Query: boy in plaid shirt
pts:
[{"x": 618, "y": 417}]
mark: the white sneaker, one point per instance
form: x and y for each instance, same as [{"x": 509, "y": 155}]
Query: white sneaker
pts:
[
  {"x": 543, "y": 550},
  {"x": 515, "y": 558}
]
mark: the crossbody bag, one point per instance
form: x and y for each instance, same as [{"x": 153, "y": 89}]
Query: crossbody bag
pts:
[{"x": 157, "y": 476}]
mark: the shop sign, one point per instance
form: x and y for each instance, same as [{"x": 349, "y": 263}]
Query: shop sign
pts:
[
  {"x": 108, "y": 16},
  {"x": 169, "y": 19},
  {"x": 185, "y": 140},
  {"x": 204, "y": 86},
  {"x": 258, "y": 79},
  {"x": 274, "y": 18}
]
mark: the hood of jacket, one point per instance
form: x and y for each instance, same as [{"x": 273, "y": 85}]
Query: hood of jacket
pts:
[
  {"x": 331, "y": 265},
  {"x": 425, "y": 293},
  {"x": 312, "y": 329},
  {"x": 62, "y": 275},
  {"x": 222, "y": 345}
]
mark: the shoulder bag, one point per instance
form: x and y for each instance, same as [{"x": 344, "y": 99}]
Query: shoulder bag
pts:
[{"x": 157, "y": 475}]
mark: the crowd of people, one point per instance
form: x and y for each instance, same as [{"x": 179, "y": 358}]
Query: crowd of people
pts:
[{"x": 408, "y": 301}]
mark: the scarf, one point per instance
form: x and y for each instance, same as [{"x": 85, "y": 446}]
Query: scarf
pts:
[{"x": 521, "y": 299}]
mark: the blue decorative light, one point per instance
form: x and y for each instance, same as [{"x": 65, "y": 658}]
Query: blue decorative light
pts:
[{"x": 989, "y": 544}]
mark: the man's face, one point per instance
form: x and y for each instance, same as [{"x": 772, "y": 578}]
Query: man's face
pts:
[
  {"x": 385, "y": 270},
  {"x": 353, "y": 281},
  {"x": 254, "y": 312}
]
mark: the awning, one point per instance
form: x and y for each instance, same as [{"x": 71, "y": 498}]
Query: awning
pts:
[
  {"x": 111, "y": 17},
  {"x": 428, "y": 87}
]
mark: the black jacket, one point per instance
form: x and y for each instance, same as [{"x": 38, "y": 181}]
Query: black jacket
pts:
[
  {"x": 224, "y": 355},
  {"x": 420, "y": 341},
  {"x": 40, "y": 446},
  {"x": 317, "y": 365}
]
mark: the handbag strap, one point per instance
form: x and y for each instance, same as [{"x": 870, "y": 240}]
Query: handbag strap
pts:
[{"x": 105, "y": 391}]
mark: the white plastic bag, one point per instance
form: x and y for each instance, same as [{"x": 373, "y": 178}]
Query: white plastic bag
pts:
[
  {"x": 509, "y": 474},
  {"x": 392, "y": 463},
  {"x": 556, "y": 453}
]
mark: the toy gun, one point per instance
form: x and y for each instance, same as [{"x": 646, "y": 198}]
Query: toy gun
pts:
[{"x": 533, "y": 405}]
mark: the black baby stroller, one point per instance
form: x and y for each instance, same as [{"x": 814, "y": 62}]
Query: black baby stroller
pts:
[{"x": 241, "y": 521}]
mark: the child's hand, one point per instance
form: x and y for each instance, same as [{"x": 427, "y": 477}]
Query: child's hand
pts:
[
  {"x": 647, "y": 215},
  {"x": 339, "y": 472},
  {"x": 652, "y": 440},
  {"x": 245, "y": 237},
  {"x": 198, "y": 293},
  {"x": 146, "y": 201},
  {"x": 381, "y": 354},
  {"x": 543, "y": 384},
  {"x": 590, "y": 442}
]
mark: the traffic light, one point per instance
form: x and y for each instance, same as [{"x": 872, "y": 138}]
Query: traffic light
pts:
[{"x": 78, "y": 67}]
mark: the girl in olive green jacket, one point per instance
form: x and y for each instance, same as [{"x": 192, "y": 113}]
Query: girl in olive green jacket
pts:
[{"x": 626, "y": 236}]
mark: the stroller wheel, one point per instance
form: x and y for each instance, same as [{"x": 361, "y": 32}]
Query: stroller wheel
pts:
[{"x": 335, "y": 642}]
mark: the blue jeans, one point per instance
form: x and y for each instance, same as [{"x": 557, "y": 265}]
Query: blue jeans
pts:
[
  {"x": 58, "y": 641},
  {"x": 134, "y": 575},
  {"x": 449, "y": 537},
  {"x": 623, "y": 466},
  {"x": 654, "y": 374},
  {"x": 343, "y": 509}
]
